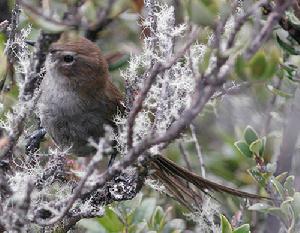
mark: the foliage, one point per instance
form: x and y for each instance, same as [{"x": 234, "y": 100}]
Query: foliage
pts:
[
  {"x": 239, "y": 132},
  {"x": 285, "y": 201},
  {"x": 140, "y": 215}
]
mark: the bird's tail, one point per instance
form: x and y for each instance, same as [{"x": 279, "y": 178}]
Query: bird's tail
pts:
[{"x": 177, "y": 182}]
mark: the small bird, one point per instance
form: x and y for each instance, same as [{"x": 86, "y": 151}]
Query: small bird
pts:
[
  {"x": 78, "y": 99},
  {"x": 77, "y": 96}
]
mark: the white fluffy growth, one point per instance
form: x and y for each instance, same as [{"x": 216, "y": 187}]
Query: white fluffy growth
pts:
[
  {"x": 205, "y": 217},
  {"x": 171, "y": 91},
  {"x": 20, "y": 50}
]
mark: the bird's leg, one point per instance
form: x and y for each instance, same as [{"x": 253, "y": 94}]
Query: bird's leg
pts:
[
  {"x": 34, "y": 141},
  {"x": 111, "y": 160},
  {"x": 113, "y": 154}
]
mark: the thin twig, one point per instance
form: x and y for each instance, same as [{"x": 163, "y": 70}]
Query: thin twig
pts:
[
  {"x": 263, "y": 35},
  {"x": 234, "y": 89},
  {"x": 198, "y": 149},
  {"x": 38, "y": 13},
  {"x": 102, "y": 21},
  {"x": 184, "y": 154},
  {"x": 241, "y": 20}
]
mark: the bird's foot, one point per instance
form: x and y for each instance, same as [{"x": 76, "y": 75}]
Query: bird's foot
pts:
[{"x": 34, "y": 141}]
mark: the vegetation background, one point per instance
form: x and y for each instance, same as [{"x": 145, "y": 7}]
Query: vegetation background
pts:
[{"x": 259, "y": 104}]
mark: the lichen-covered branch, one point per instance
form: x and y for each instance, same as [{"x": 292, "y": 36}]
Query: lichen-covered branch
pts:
[{"x": 167, "y": 91}]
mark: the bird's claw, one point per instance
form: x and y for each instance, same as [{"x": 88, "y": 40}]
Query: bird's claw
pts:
[{"x": 34, "y": 141}]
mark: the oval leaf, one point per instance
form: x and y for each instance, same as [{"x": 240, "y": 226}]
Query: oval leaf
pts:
[
  {"x": 243, "y": 229},
  {"x": 226, "y": 227},
  {"x": 286, "y": 47},
  {"x": 278, "y": 92},
  {"x": 243, "y": 148},
  {"x": 250, "y": 135},
  {"x": 258, "y": 65},
  {"x": 256, "y": 146},
  {"x": 262, "y": 207},
  {"x": 289, "y": 185}
]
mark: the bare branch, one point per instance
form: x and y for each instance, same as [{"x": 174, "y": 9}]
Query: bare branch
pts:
[
  {"x": 241, "y": 20},
  {"x": 198, "y": 149},
  {"x": 102, "y": 21},
  {"x": 265, "y": 32}
]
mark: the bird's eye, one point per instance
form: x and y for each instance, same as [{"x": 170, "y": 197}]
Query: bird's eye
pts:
[{"x": 68, "y": 58}]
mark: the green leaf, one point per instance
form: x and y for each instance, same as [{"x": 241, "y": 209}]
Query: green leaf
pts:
[
  {"x": 258, "y": 65},
  {"x": 259, "y": 177},
  {"x": 88, "y": 10},
  {"x": 243, "y": 148},
  {"x": 46, "y": 25},
  {"x": 262, "y": 207},
  {"x": 205, "y": 61},
  {"x": 278, "y": 212},
  {"x": 289, "y": 185},
  {"x": 225, "y": 225},
  {"x": 158, "y": 219},
  {"x": 123, "y": 61},
  {"x": 279, "y": 188},
  {"x": 256, "y": 146},
  {"x": 243, "y": 229},
  {"x": 90, "y": 226},
  {"x": 296, "y": 204},
  {"x": 286, "y": 47},
  {"x": 282, "y": 177},
  {"x": 278, "y": 92},
  {"x": 293, "y": 19},
  {"x": 145, "y": 210},
  {"x": 286, "y": 208},
  {"x": 273, "y": 64},
  {"x": 130, "y": 206},
  {"x": 290, "y": 71},
  {"x": 262, "y": 149},
  {"x": 240, "y": 66},
  {"x": 175, "y": 226},
  {"x": 250, "y": 135},
  {"x": 199, "y": 13},
  {"x": 138, "y": 228},
  {"x": 290, "y": 68},
  {"x": 110, "y": 221}
]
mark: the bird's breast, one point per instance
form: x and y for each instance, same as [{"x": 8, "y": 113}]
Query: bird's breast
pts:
[{"x": 69, "y": 119}]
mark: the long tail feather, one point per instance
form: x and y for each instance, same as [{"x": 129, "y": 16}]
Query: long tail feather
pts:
[{"x": 175, "y": 178}]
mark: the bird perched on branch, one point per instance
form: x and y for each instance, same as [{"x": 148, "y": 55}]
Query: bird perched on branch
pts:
[{"x": 78, "y": 99}]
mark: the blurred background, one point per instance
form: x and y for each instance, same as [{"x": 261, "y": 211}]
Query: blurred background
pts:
[{"x": 263, "y": 95}]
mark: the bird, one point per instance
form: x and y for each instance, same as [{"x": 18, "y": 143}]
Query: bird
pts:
[
  {"x": 78, "y": 99},
  {"x": 77, "y": 96}
]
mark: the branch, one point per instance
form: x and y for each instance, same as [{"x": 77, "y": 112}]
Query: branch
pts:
[
  {"x": 13, "y": 28},
  {"x": 149, "y": 78},
  {"x": 36, "y": 74},
  {"x": 29, "y": 92},
  {"x": 241, "y": 20},
  {"x": 77, "y": 192},
  {"x": 102, "y": 21},
  {"x": 264, "y": 34},
  {"x": 198, "y": 149},
  {"x": 38, "y": 13},
  {"x": 203, "y": 93}
]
